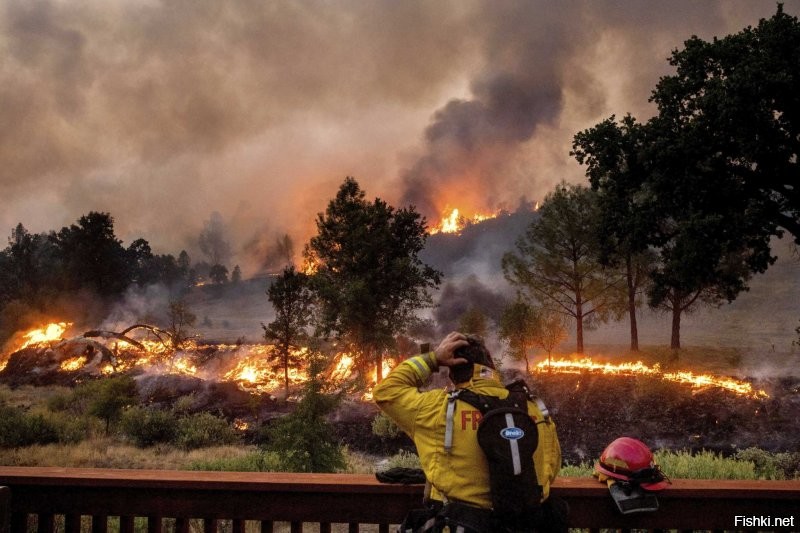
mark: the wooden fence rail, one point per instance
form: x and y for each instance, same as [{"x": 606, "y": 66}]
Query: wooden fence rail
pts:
[{"x": 62, "y": 499}]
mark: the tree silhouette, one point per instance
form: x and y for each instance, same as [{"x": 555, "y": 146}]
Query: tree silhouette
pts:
[
  {"x": 292, "y": 299},
  {"x": 368, "y": 277}
]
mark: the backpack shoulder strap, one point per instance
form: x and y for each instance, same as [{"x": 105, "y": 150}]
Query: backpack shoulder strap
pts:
[
  {"x": 481, "y": 402},
  {"x": 520, "y": 390}
]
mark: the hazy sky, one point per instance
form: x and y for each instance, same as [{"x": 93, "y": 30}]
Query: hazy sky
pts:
[{"x": 163, "y": 112}]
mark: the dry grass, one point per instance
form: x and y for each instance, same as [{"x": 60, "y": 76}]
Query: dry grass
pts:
[
  {"x": 29, "y": 396},
  {"x": 107, "y": 453}
]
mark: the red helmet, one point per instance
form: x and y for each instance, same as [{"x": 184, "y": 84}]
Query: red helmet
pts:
[{"x": 630, "y": 460}]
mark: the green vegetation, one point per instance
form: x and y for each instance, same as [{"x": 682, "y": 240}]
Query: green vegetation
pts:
[
  {"x": 385, "y": 427},
  {"x": 751, "y": 463},
  {"x": 557, "y": 261},
  {"x": 257, "y": 461},
  {"x": 304, "y": 440},
  {"x": 716, "y": 157},
  {"x": 291, "y": 298},
  {"x": 43, "y": 427},
  {"x": 200, "y": 430},
  {"x": 368, "y": 279}
]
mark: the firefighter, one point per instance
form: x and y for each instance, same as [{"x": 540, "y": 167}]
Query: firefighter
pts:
[{"x": 458, "y": 477}]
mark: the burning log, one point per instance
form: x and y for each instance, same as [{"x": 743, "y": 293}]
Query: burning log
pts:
[
  {"x": 113, "y": 335},
  {"x": 156, "y": 331}
]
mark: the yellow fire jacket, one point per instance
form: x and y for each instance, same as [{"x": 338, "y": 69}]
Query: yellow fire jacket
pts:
[{"x": 463, "y": 473}]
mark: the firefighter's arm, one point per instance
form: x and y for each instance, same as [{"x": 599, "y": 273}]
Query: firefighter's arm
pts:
[{"x": 398, "y": 394}]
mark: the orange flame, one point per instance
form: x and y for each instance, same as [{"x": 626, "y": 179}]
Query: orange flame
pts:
[
  {"x": 567, "y": 366},
  {"x": 38, "y": 336},
  {"x": 49, "y": 333},
  {"x": 454, "y": 221},
  {"x": 73, "y": 364},
  {"x": 250, "y": 366}
]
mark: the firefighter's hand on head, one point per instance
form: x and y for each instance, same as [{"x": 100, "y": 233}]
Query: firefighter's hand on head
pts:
[{"x": 445, "y": 352}]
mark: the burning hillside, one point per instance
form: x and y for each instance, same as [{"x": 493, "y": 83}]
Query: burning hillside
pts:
[{"x": 453, "y": 221}]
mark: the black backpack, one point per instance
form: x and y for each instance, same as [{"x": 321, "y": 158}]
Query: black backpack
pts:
[{"x": 508, "y": 437}]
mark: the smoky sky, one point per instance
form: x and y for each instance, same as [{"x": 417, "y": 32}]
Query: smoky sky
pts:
[{"x": 163, "y": 112}]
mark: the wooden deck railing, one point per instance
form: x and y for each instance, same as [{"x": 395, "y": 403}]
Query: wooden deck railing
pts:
[{"x": 62, "y": 499}]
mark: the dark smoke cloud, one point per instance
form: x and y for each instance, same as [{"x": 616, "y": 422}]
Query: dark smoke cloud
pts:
[
  {"x": 537, "y": 61},
  {"x": 164, "y": 112},
  {"x": 458, "y": 297}
]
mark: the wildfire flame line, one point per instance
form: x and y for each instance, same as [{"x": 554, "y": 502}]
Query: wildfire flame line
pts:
[
  {"x": 254, "y": 371},
  {"x": 567, "y": 366},
  {"x": 454, "y": 222}
]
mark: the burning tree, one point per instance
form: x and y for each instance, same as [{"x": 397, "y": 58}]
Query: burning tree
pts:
[
  {"x": 368, "y": 277},
  {"x": 292, "y": 299}
]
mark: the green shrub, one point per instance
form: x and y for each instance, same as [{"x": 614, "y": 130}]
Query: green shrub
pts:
[
  {"x": 184, "y": 404},
  {"x": 18, "y": 428},
  {"x": 204, "y": 429},
  {"x": 782, "y": 465},
  {"x": 70, "y": 428},
  {"x": 579, "y": 470},
  {"x": 385, "y": 427},
  {"x": 60, "y": 402},
  {"x": 147, "y": 426},
  {"x": 752, "y": 463},
  {"x": 106, "y": 398},
  {"x": 403, "y": 459},
  {"x": 703, "y": 465},
  {"x": 304, "y": 440}
]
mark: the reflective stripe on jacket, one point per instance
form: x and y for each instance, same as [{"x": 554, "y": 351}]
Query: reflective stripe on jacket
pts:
[{"x": 461, "y": 475}]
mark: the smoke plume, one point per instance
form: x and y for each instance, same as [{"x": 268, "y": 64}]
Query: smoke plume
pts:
[{"x": 162, "y": 113}]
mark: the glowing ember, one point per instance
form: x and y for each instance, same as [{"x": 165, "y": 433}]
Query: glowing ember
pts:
[
  {"x": 566, "y": 366},
  {"x": 455, "y": 222},
  {"x": 73, "y": 364},
  {"x": 240, "y": 424}
]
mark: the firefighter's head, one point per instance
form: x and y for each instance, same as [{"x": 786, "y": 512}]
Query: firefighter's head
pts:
[{"x": 476, "y": 353}]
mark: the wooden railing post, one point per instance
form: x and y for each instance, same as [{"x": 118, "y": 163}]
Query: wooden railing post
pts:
[
  {"x": 5, "y": 509},
  {"x": 72, "y": 523}
]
